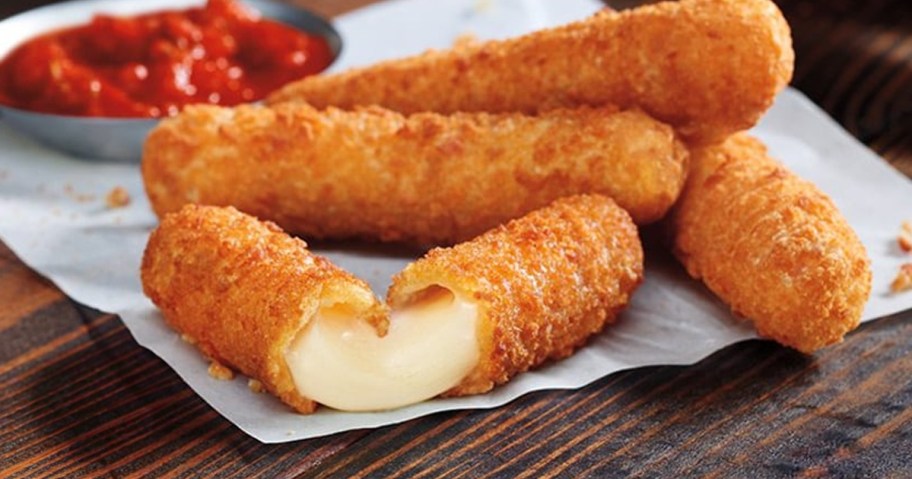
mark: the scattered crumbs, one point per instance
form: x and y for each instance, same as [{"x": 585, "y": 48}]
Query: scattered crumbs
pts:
[
  {"x": 55, "y": 211},
  {"x": 188, "y": 339},
  {"x": 3, "y": 174},
  {"x": 903, "y": 280},
  {"x": 79, "y": 197},
  {"x": 117, "y": 197},
  {"x": 220, "y": 372},
  {"x": 118, "y": 220},
  {"x": 905, "y": 236},
  {"x": 255, "y": 386},
  {"x": 289, "y": 432}
]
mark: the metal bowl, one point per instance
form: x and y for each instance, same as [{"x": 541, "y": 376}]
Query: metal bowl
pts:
[{"x": 116, "y": 139}]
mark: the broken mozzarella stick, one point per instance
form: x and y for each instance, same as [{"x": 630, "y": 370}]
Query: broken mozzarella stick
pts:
[
  {"x": 541, "y": 285},
  {"x": 425, "y": 178},
  {"x": 770, "y": 245},
  {"x": 464, "y": 319},
  {"x": 241, "y": 289},
  {"x": 709, "y": 68}
]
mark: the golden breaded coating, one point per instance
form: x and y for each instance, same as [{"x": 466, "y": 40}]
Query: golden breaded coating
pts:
[
  {"x": 544, "y": 283},
  {"x": 240, "y": 289},
  {"x": 425, "y": 178},
  {"x": 243, "y": 291},
  {"x": 771, "y": 245},
  {"x": 707, "y": 67}
]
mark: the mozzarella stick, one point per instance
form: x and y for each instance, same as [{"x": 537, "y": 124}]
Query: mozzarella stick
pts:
[
  {"x": 771, "y": 245},
  {"x": 707, "y": 67},
  {"x": 541, "y": 285},
  {"x": 464, "y": 319},
  {"x": 424, "y": 178},
  {"x": 241, "y": 289}
]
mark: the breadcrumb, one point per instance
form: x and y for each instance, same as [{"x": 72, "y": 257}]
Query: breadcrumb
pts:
[
  {"x": 255, "y": 386},
  {"x": 905, "y": 236},
  {"x": 220, "y": 372},
  {"x": 70, "y": 191},
  {"x": 117, "y": 198},
  {"x": 903, "y": 280}
]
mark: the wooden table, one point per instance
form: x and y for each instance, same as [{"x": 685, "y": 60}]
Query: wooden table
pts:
[{"x": 80, "y": 397}]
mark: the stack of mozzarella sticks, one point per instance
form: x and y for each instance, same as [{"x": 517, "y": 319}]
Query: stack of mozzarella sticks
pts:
[{"x": 537, "y": 157}]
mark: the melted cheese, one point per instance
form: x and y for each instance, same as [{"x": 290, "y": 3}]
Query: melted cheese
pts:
[{"x": 340, "y": 362}]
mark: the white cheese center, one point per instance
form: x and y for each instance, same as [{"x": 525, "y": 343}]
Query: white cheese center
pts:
[{"x": 341, "y": 362}]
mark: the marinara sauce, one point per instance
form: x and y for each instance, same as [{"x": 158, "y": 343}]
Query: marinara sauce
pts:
[{"x": 150, "y": 65}]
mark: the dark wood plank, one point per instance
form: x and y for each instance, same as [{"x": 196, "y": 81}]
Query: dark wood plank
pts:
[
  {"x": 854, "y": 59},
  {"x": 80, "y": 398}
]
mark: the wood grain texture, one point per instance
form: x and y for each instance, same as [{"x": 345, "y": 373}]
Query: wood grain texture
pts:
[{"x": 80, "y": 398}]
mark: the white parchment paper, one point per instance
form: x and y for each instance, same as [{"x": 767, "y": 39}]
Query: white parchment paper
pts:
[{"x": 53, "y": 215}]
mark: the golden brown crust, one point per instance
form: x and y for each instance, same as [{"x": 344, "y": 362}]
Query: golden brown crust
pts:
[
  {"x": 771, "y": 245},
  {"x": 425, "y": 178},
  {"x": 544, "y": 283},
  {"x": 241, "y": 289},
  {"x": 707, "y": 67}
]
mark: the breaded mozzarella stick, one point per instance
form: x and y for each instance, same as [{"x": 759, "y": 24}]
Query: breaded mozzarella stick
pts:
[
  {"x": 770, "y": 245},
  {"x": 464, "y": 319},
  {"x": 709, "y": 68},
  {"x": 241, "y": 289},
  {"x": 424, "y": 178},
  {"x": 542, "y": 284}
]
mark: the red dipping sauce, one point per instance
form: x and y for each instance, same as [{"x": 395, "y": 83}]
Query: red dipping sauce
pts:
[{"x": 151, "y": 65}]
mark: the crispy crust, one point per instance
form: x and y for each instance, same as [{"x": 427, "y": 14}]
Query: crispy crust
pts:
[
  {"x": 707, "y": 67},
  {"x": 426, "y": 178},
  {"x": 240, "y": 289},
  {"x": 771, "y": 245},
  {"x": 544, "y": 283}
]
